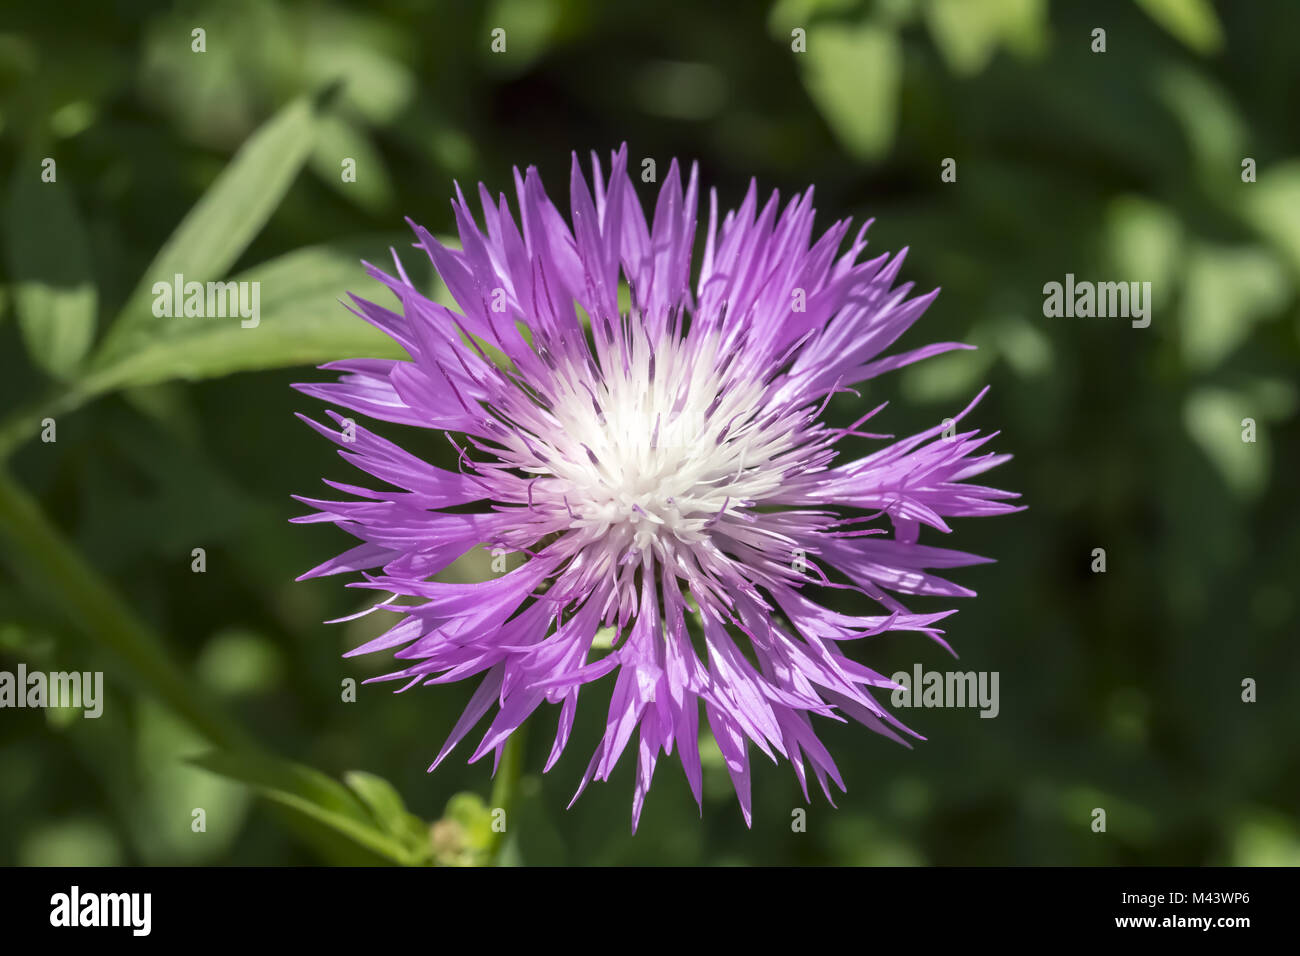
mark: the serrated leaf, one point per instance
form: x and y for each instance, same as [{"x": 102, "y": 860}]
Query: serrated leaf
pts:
[
  {"x": 231, "y": 213},
  {"x": 301, "y": 322},
  {"x": 49, "y": 264},
  {"x": 311, "y": 794}
]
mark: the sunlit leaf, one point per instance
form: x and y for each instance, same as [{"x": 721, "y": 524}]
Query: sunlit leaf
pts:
[
  {"x": 1144, "y": 242},
  {"x": 1193, "y": 22},
  {"x": 388, "y": 809},
  {"x": 162, "y": 742},
  {"x": 312, "y": 794},
  {"x": 853, "y": 75},
  {"x": 969, "y": 32},
  {"x": 227, "y": 218},
  {"x": 49, "y": 265},
  {"x": 1228, "y": 290},
  {"x": 301, "y": 322},
  {"x": 1210, "y": 120},
  {"x": 361, "y": 54},
  {"x": 84, "y": 841},
  {"x": 338, "y": 141},
  {"x": 1265, "y": 839},
  {"x": 788, "y": 14},
  {"x": 531, "y": 24},
  {"x": 1213, "y": 417},
  {"x": 1272, "y": 205}
]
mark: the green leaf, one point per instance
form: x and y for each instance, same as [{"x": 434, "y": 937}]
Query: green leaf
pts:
[
  {"x": 162, "y": 742},
  {"x": 300, "y": 322},
  {"x": 853, "y": 74},
  {"x": 388, "y": 809},
  {"x": 532, "y": 25},
  {"x": 788, "y": 14},
  {"x": 1211, "y": 121},
  {"x": 337, "y": 140},
  {"x": 1193, "y": 22},
  {"x": 1144, "y": 240},
  {"x": 1213, "y": 418},
  {"x": 311, "y": 794},
  {"x": 360, "y": 54},
  {"x": 229, "y": 216},
  {"x": 1272, "y": 206},
  {"x": 1228, "y": 290},
  {"x": 378, "y": 794},
  {"x": 1265, "y": 838},
  {"x": 49, "y": 263},
  {"x": 969, "y": 32}
]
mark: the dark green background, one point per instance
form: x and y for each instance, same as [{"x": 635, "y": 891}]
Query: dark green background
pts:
[{"x": 1119, "y": 690}]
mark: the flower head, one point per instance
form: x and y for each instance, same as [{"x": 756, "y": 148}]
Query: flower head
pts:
[{"x": 655, "y": 449}]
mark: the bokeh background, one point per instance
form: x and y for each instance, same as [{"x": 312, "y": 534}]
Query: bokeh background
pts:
[{"x": 1120, "y": 690}]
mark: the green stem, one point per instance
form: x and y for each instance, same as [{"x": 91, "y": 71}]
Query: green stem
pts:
[
  {"x": 38, "y": 553},
  {"x": 505, "y": 787},
  {"x": 26, "y": 422}
]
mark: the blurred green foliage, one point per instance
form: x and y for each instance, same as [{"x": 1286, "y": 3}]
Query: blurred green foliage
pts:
[{"x": 1119, "y": 690}]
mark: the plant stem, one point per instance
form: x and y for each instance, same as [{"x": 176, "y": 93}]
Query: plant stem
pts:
[
  {"x": 505, "y": 787},
  {"x": 38, "y": 553},
  {"x": 26, "y": 422}
]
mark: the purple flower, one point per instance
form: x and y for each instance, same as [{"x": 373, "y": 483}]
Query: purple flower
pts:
[{"x": 655, "y": 449}]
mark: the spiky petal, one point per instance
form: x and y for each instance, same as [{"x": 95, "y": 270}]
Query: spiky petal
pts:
[{"x": 658, "y": 456}]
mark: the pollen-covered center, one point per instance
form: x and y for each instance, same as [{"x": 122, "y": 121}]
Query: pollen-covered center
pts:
[{"x": 666, "y": 442}]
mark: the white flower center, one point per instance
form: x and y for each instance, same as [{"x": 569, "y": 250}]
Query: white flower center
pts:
[{"x": 667, "y": 444}]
